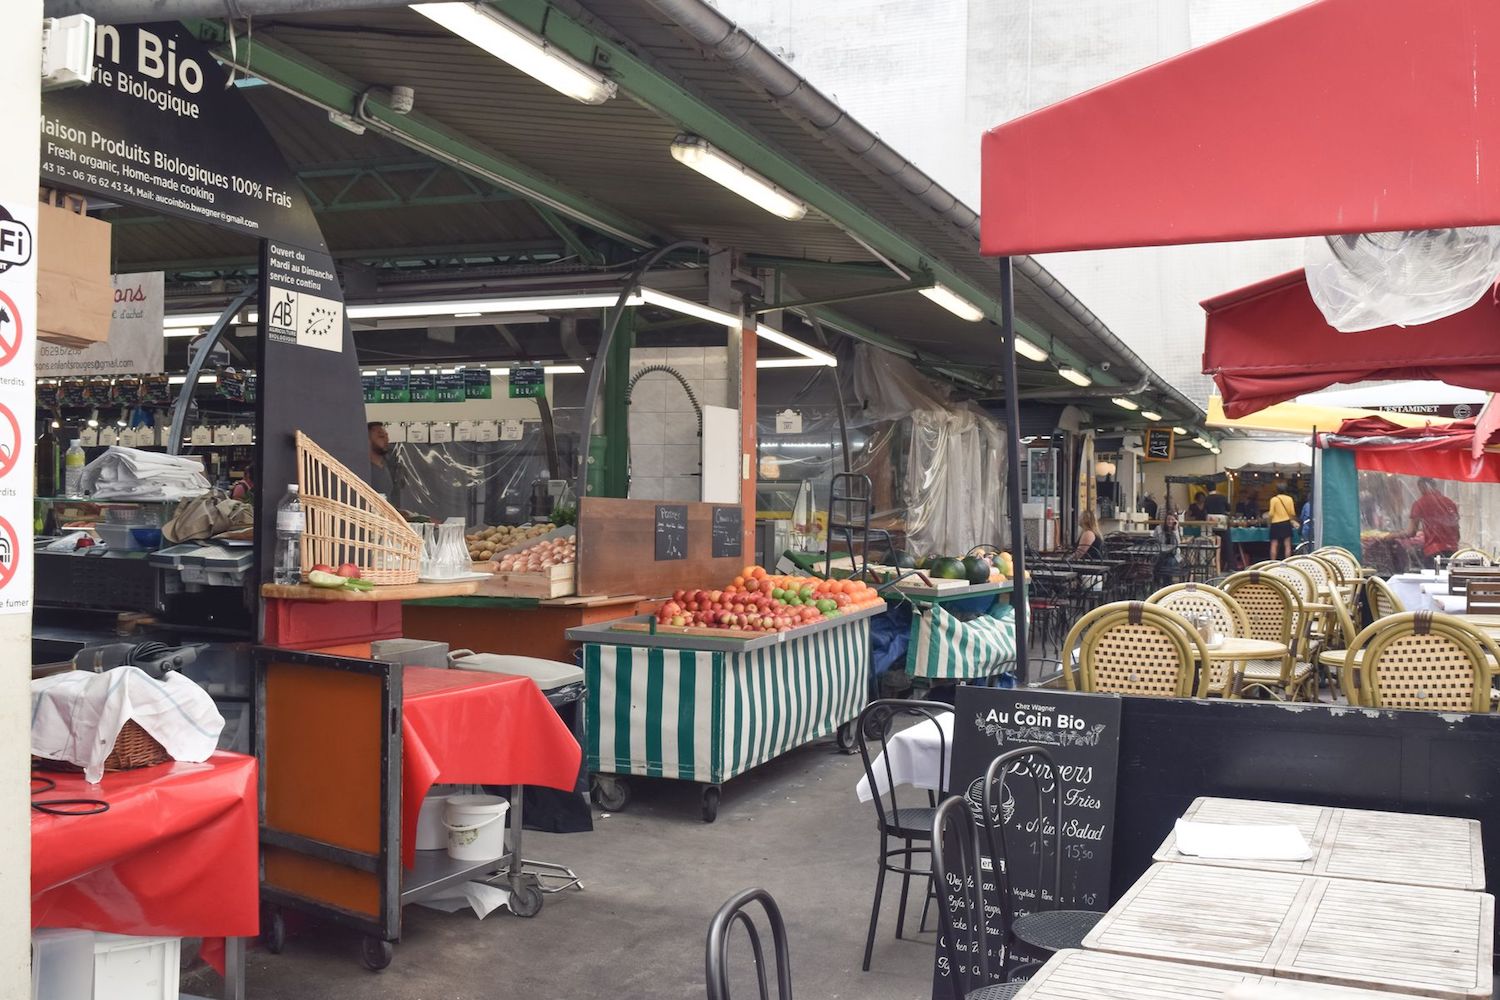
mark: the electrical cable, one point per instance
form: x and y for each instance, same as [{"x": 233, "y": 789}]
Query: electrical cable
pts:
[{"x": 56, "y": 807}]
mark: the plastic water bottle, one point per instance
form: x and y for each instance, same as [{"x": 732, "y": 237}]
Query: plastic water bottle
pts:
[
  {"x": 289, "y": 524},
  {"x": 73, "y": 463}
]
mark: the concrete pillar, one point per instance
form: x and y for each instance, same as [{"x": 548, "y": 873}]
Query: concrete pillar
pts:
[{"x": 20, "y": 112}]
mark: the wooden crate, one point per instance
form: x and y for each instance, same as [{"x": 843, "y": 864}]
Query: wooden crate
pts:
[{"x": 556, "y": 581}]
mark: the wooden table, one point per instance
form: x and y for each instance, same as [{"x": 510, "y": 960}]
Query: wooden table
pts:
[
  {"x": 1414, "y": 939},
  {"x": 1401, "y": 848},
  {"x": 1097, "y": 975}
]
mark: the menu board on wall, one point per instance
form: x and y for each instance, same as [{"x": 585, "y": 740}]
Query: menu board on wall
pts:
[
  {"x": 1082, "y": 732},
  {"x": 1160, "y": 444}
]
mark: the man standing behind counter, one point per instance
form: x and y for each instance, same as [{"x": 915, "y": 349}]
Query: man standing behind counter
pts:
[{"x": 380, "y": 477}]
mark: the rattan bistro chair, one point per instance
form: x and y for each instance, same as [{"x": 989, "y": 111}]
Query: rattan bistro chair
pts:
[
  {"x": 1228, "y": 617},
  {"x": 1383, "y": 600},
  {"x": 1425, "y": 661},
  {"x": 1274, "y": 613},
  {"x": 969, "y": 916},
  {"x": 1048, "y": 926},
  {"x": 908, "y": 825},
  {"x": 716, "y": 949},
  {"x": 1471, "y": 556},
  {"x": 1134, "y": 648},
  {"x": 1347, "y": 568},
  {"x": 1335, "y": 655}
]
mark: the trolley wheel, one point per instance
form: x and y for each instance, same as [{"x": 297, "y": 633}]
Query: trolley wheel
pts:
[
  {"x": 526, "y": 899},
  {"x": 711, "y": 796},
  {"x": 609, "y": 793},
  {"x": 845, "y": 736},
  {"x": 376, "y": 953},
  {"x": 273, "y": 931}
]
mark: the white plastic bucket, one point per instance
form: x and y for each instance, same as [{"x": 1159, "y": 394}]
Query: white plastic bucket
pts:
[
  {"x": 431, "y": 834},
  {"x": 476, "y": 827}
]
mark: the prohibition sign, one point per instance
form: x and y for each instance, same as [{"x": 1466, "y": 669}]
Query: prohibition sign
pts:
[
  {"x": 7, "y": 552},
  {"x": 10, "y": 447},
  {"x": 10, "y": 329}
]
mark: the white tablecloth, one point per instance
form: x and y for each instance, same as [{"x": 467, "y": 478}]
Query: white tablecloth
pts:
[
  {"x": 1453, "y": 604},
  {"x": 1409, "y": 588},
  {"x": 916, "y": 757}
]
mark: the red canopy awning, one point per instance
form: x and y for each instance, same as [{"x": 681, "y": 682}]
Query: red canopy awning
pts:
[
  {"x": 1442, "y": 451},
  {"x": 1343, "y": 116},
  {"x": 1269, "y": 343}
]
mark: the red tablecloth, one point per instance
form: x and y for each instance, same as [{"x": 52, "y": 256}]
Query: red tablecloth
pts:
[
  {"x": 177, "y": 853},
  {"x": 463, "y": 727}
]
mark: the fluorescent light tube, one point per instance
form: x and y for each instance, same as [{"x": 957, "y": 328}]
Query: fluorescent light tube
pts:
[
  {"x": 526, "y": 51},
  {"x": 190, "y": 319},
  {"x": 788, "y": 363},
  {"x": 793, "y": 344},
  {"x": 1125, "y": 404},
  {"x": 1151, "y": 415},
  {"x": 1027, "y": 349},
  {"x": 563, "y": 369},
  {"x": 698, "y": 153},
  {"x": 202, "y": 379},
  {"x": 1180, "y": 430},
  {"x": 530, "y": 303},
  {"x": 182, "y": 331},
  {"x": 1075, "y": 376},
  {"x": 689, "y": 308},
  {"x": 954, "y": 303}
]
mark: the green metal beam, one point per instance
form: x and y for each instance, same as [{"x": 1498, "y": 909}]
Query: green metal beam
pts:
[
  {"x": 568, "y": 235},
  {"x": 873, "y": 293},
  {"x": 294, "y": 71},
  {"x": 616, "y": 473},
  {"x": 399, "y": 185}
]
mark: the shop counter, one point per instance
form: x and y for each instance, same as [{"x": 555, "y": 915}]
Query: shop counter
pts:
[
  {"x": 517, "y": 626},
  {"x": 704, "y": 709},
  {"x": 175, "y": 855}
]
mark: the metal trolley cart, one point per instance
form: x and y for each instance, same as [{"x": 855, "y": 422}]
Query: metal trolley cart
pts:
[
  {"x": 705, "y": 709},
  {"x": 944, "y": 650}
]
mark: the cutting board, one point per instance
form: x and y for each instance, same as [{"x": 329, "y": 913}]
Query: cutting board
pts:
[{"x": 395, "y": 592}]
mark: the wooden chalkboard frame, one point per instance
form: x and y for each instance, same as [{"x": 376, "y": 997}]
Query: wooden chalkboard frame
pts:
[
  {"x": 617, "y": 549},
  {"x": 1155, "y": 436}
]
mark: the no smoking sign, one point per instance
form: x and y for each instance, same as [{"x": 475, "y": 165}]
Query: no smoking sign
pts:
[{"x": 10, "y": 330}]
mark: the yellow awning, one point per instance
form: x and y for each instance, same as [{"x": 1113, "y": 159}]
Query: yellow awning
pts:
[{"x": 1300, "y": 418}]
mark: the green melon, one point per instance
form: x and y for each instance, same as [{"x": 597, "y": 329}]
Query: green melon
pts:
[
  {"x": 977, "y": 569},
  {"x": 948, "y": 568}
]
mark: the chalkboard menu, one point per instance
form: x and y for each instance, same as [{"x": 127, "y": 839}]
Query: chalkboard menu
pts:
[
  {"x": 1159, "y": 444},
  {"x": 728, "y": 532},
  {"x": 671, "y": 531},
  {"x": 1082, "y": 732}
]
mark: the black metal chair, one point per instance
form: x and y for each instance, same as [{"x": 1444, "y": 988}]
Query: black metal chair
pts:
[
  {"x": 716, "y": 950},
  {"x": 909, "y": 825},
  {"x": 967, "y": 920},
  {"x": 1048, "y": 927}
]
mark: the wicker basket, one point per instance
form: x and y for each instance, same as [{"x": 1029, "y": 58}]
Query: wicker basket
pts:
[
  {"x": 134, "y": 748},
  {"x": 348, "y": 522}
]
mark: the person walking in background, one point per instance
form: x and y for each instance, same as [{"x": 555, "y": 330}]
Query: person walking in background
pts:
[
  {"x": 1436, "y": 518},
  {"x": 1307, "y": 516},
  {"x": 1282, "y": 514},
  {"x": 1169, "y": 560},
  {"x": 1090, "y": 545}
]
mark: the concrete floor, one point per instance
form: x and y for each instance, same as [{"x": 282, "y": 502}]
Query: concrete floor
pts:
[{"x": 655, "y": 875}]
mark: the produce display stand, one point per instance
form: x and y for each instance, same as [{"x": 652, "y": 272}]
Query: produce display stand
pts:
[
  {"x": 704, "y": 709},
  {"x": 924, "y": 675}
]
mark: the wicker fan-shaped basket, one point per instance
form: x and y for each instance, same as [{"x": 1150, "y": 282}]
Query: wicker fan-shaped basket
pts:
[
  {"x": 347, "y": 521},
  {"x": 134, "y": 748}
]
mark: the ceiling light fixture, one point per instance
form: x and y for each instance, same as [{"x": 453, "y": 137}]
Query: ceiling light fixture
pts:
[
  {"x": 526, "y": 51},
  {"x": 1027, "y": 349},
  {"x": 698, "y": 153},
  {"x": 788, "y": 363},
  {"x": 1180, "y": 430},
  {"x": 1125, "y": 404},
  {"x": 1075, "y": 376},
  {"x": 1152, "y": 416},
  {"x": 953, "y": 302}
]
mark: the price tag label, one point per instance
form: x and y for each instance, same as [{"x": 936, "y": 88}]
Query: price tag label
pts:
[
  {"x": 511, "y": 430},
  {"x": 789, "y": 422}
]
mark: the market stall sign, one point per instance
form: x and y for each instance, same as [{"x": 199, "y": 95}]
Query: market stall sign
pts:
[
  {"x": 1082, "y": 732},
  {"x": 1160, "y": 444},
  {"x": 158, "y": 128},
  {"x": 135, "y": 344},
  {"x": 671, "y": 531},
  {"x": 527, "y": 383},
  {"x": 728, "y": 532}
]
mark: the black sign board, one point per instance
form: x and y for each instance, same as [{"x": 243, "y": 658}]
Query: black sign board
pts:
[
  {"x": 1082, "y": 731},
  {"x": 728, "y": 532},
  {"x": 671, "y": 531},
  {"x": 158, "y": 128},
  {"x": 1159, "y": 444}
]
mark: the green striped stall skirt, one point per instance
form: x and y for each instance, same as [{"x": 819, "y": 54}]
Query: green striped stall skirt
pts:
[{"x": 709, "y": 716}]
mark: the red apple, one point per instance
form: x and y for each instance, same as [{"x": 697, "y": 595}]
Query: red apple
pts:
[
  {"x": 348, "y": 571},
  {"x": 322, "y": 568}
]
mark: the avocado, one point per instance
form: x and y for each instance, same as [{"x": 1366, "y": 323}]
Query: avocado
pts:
[
  {"x": 977, "y": 569},
  {"x": 948, "y": 568}
]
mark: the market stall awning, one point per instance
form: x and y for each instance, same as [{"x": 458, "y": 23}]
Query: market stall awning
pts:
[
  {"x": 1442, "y": 451},
  {"x": 1303, "y": 419},
  {"x": 1342, "y": 116},
  {"x": 1269, "y": 342}
]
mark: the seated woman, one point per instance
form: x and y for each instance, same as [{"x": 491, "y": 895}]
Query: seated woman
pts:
[
  {"x": 1169, "y": 561},
  {"x": 1090, "y": 544}
]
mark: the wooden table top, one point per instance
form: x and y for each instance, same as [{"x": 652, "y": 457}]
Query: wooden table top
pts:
[
  {"x": 1404, "y": 938},
  {"x": 1098, "y": 975},
  {"x": 1401, "y": 848},
  {"x": 1236, "y": 648}
]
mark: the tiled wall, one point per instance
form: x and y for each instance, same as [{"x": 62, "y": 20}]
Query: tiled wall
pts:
[{"x": 664, "y": 446}]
